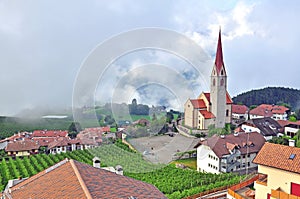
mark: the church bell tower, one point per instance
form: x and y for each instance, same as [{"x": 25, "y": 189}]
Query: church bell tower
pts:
[{"x": 218, "y": 87}]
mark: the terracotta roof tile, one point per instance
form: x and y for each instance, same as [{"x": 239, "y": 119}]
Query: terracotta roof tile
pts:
[
  {"x": 198, "y": 103},
  {"x": 228, "y": 98},
  {"x": 23, "y": 145},
  {"x": 206, "y": 114},
  {"x": 268, "y": 110},
  {"x": 49, "y": 133},
  {"x": 239, "y": 109},
  {"x": 278, "y": 156},
  {"x": 72, "y": 179}
]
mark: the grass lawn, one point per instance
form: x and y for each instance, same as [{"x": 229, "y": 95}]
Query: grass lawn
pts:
[{"x": 190, "y": 162}]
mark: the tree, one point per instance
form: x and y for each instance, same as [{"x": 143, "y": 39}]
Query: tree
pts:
[
  {"x": 170, "y": 117},
  {"x": 75, "y": 127},
  {"x": 292, "y": 118}
]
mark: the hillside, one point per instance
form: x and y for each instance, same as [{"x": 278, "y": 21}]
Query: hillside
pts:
[{"x": 270, "y": 95}]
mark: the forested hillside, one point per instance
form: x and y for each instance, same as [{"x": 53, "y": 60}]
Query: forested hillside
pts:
[{"x": 270, "y": 95}]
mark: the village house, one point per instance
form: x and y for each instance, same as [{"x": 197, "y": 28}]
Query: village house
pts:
[
  {"x": 290, "y": 128},
  {"x": 212, "y": 108},
  {"x": 266, "y": 126},
  {"x": 72, "y": 179},
  {"x": 280, "y": 166},
  {"x": 239, "y": 112},
  {"x": 22, "y": 148},
  {"x": 229, "y": 153},
  {"x": 266, "y": 110},
  {"x": 63, "y": 145}
]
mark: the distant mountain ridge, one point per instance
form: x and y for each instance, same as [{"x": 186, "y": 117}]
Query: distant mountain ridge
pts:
[{"x": 270, "y": 95}]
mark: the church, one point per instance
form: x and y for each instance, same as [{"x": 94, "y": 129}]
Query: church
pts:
[{"x": 214, "y": 107}]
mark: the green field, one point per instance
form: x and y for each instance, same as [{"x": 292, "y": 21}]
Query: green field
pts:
[{"x": 190, "y": 163}]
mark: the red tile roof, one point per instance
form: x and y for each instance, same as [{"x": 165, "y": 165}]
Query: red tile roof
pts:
[
  {"x": 206, "y": 114},
  {"x": 198, "y": 103},
  {"x": 221, "y": 146},
  {"x": 72, "y": 179},
  {"x": 278, "y": 156},
  {"x": 219, "y": 55},
  {"x": 268, "y": 110},
  {"x": 239, "y": 109},
  {"x": 228, "y": 98},
  {"x": 43, "y": 141},
  {"x": 284, "y": 123},
  {"x": 24, "y": 145},
  {"x": 50, "y": 133}
]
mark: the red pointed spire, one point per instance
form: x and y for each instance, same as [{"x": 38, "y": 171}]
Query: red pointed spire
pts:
[{"x": 219, "y": 55}]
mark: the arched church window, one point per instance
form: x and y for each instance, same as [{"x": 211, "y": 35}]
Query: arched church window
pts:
[
  {"x": 214, "y": 72},
  {"x": 222, "y": 82},
  {"x": 227, "y": 113},
  {"x": 214, "y": 82},
  {"x": 222, "y": 72}
]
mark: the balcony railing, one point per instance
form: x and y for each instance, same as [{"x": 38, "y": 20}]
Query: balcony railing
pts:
[
  {"x": 282, "y": 195},
  {"x": 262, "y": 180}
]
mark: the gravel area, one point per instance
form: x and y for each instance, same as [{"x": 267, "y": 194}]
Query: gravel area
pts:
[{"x": 160, "y": 149}]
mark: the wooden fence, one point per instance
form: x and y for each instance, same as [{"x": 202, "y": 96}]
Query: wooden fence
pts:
[{"x": 231, "y": 189}]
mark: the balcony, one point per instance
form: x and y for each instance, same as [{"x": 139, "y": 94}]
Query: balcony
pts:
[
  {"x": 242, "y": 190},
  {"x": 262, "y": 180},
  {"x": 282, "y": 195}
]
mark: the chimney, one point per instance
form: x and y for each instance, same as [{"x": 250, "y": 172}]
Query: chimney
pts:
[
  {"x": 119, "y": 170},
  {"x": 291, "y": 142},
  {"x": 96, "y": 162}
]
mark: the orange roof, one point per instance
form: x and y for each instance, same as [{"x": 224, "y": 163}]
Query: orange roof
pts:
[
  {"x": 268, "y": 110},
  {"x": 72, "y": 179},
  {"x": 284, "y": 123},
  {"x": 23, "y": 145},
  {"x": 239, "y": 109},
  {"x": 228, "y": 98},
  {"x": 279, "y": 156},
  {"x": 198, "y": 103},
  {"x": 206, "y": 114},
  {"x": 50, "y": 133},
  {"x": 97, "y": 129}
]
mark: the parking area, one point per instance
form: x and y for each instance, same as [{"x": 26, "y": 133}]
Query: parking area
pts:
[{"x": 160, "y": 149}]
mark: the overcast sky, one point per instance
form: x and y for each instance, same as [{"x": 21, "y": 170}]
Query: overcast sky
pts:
[{"x": 44, "y": 43}]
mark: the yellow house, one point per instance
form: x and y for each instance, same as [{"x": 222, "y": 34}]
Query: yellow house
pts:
[
  {"x": 22, "y": 148},
  {"x": 280, "y": 166}
]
